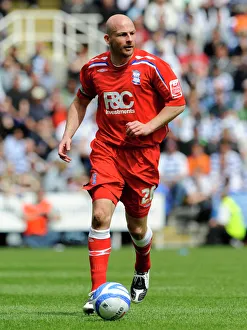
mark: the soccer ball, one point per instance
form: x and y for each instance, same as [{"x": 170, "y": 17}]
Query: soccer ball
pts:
[{"x": 111, "y": 301}]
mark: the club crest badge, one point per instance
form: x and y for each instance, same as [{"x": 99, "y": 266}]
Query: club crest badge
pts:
[{"x": 136, "y": 77}]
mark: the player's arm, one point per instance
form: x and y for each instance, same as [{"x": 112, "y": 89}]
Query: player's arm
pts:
[
  {"x": 170, "y": 90},
  {"x": 167, "y": 114},
  {"x": 76, "y": 114}
]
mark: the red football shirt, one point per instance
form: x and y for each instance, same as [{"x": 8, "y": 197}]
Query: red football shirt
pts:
[{"x": 137, "y": 90}]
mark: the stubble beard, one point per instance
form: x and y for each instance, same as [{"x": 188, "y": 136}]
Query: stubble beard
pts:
[{"x": 122, "y": 51}]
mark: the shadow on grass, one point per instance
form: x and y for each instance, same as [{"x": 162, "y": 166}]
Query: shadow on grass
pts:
[
  {"x": 79, "y": 315},
  {"x": 74, "y": 314}
]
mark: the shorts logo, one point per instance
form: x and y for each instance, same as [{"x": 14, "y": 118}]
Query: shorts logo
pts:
[
  {"x": 175, "y": 88},
  {"x": 136, "y": 77},
  {"x": 94, "y": 178}
]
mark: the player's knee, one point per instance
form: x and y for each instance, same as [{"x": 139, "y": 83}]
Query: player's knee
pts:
[
  {"x": 137, "y": 232},
  {"x": 101, "y": 219}
]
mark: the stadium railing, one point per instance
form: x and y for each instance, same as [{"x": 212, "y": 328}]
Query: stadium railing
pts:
[{"x": 65, "y": 32}]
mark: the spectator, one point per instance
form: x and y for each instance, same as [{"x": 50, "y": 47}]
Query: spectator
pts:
[
  {"x": 47, "y": 80},
  {"x": 226, "y": 164},
  {"x": 21, "y": 116},
  {"x": 37, "y": 216},
  {"x": 161, "y": 15},
  {"x": 184, "y": 126},
  {"x": 209, "y": 131},
  {"x": 78, "y": 7},
  {"x": 221, "y": 80},
  {"x": 241, "y": 130},
  {"x": 222, "y": 58},
  {"x": 58, "y": 108},
  {"x": 241, "y": 48},
  {"x": 240, "y": 75},
  {"x": 68, "y": 92},
  {"x": 222, "y": 101},
  {"x": 242, "y": 113},
  {"x": 107, "y": 8},
  {"x": 63, "y": 173},
  {"x": 212, "y": 16},
  {"x": 163, "y": 47},
  {"x": 3, "y": 162},
  {"x": 5, "y": 7},
  {"x": 198, "y": 161},
  {"x": 199, "y": 190},
  {"x": 16, "y": 94},
  {"x": 16, "y": 142},
  {"x": 33, "y": 3},
  {"x": 37, "y": 164},
  {"x": 7, "y": 113},
  {"x": 199, "y": 186},
  {"x": 126, "y": 5},
  {"x": 142, "y": 35},
  {"x": 2, "y": 92},
  {"x": 193, "y": 58},
  {"x": 9, "y": 69},
  {"x": 38, "y": 60},
  {"x": 190, "y": 24},
  {"x": 77, "y": 63},
  {"x": 9, "y": 180},
  {"x": 227, "y": 227},
  {"x": 173, "y": 168},
  {"x": 13, "y": 52},
  {"x": 55, "y": 179},
  {"x": 38, "y": 110},
  {"x": 212, "y": 43},
  {"x": 44, "y": 137}
]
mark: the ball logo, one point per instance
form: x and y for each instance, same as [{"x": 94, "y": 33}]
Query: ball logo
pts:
[
  {"x": 120, "y": 313},
  {"x": 115, "y": 100}
]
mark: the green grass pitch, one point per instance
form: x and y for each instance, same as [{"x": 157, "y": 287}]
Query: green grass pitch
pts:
[{"x": 205, "y": 288}]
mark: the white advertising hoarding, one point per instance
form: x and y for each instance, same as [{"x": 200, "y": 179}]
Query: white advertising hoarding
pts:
[{"x": 74, "y": 212}]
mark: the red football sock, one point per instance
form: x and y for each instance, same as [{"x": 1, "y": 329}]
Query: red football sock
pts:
[
  {"x": 99, "y": 252},
  {"x": 143, "y": 260}
]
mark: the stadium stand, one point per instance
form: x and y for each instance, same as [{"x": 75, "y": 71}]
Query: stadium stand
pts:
[{"x": 43, "y": 45}]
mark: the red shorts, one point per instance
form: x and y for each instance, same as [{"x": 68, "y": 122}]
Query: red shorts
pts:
[{"x": 128, "y": 175}]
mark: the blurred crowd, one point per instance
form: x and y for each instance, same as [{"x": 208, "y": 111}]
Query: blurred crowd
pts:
[{"x": 204, "y": 41}]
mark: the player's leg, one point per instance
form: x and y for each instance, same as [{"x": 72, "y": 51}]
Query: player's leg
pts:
[
  {"x": 99, "y": 246},
  {"x": 105, "y": 188},
  {"x": 99, "y": 242},
  {"x": 141, "y": 178},
  {"x": 141, "y": 236}
]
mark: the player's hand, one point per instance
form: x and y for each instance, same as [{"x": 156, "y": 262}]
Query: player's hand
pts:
[
  {"x": 63, "y": 148},
  {"x": 136, "y": 128}
]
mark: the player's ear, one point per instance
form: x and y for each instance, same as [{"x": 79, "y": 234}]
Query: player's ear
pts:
[{"x": 106, "y": 37}]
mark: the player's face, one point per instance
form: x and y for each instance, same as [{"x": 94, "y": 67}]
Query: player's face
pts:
[{"x": 122, "y": 40}]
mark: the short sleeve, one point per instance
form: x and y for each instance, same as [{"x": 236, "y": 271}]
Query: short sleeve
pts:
[
  {"x": 167, "y": 84},
  {"x": 86, "y": 89}
]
